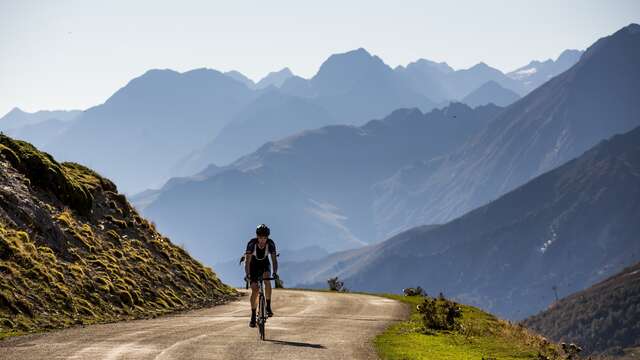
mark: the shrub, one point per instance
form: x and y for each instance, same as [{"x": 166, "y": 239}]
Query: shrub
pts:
[
  {"x": 571, "y": 350},
  {"x": 439, "y": 314},
  {"x": 336, "y": 285},
  {"x": 413, "y": 291}
]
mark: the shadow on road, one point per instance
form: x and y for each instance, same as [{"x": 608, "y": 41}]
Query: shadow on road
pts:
[{"x": 293, "y": 343}]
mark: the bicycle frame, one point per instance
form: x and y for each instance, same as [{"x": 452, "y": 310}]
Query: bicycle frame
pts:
[{"x": 261, "y": 316}]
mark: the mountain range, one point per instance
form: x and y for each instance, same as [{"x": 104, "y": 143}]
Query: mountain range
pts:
[
  {"x": 17, "y": 118},
  {"x": 169, "y": 124},
  {"x": 297, "y": 186},
  {"x": 567, "y": 229},
  {"x": 340, "y": 187},
  {"x": 593, "y": 100},
  {"x": 38, "y": 128}
]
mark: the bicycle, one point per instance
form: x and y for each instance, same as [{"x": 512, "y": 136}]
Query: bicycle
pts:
[{"x": 261, "y": 316}]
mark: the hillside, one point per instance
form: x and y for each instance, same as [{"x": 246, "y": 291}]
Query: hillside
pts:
[
  {"x": 605, "y": 318},
  {"x": 567, "y": 228},
  {"x": 73, "y": 251}
]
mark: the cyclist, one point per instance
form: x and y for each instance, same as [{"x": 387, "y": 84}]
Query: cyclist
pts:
[{"x": 257, "y": 264}]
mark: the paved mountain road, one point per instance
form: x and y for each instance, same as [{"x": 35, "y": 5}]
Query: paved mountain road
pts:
[{"x": 307, "y": 325}]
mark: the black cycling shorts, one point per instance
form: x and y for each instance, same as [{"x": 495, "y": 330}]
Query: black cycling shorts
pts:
[{"x": 257, "y": 268}]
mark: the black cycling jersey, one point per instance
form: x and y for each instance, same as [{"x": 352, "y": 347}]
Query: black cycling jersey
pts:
[
  {"x": 260, "y": 263},
  {"x": 260, "y": 254}
]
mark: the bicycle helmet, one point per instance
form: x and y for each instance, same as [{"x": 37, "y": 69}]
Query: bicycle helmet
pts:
[{"x": 262, "y": 230}]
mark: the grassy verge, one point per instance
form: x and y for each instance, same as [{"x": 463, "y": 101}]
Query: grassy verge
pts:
[{"x": 483, "y": 336}]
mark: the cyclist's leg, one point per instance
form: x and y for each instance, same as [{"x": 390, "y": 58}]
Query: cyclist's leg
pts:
[
  {"x": 254, "y": 273},
  {"x": 267, "y": 292},
  {"x": 267, "y": 286},
  {"x": 254, "y": 294}
]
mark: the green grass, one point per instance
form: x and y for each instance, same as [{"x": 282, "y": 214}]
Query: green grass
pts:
[
  {"x": 482, "y": 336},
  {"x": 8, "y": 334}
]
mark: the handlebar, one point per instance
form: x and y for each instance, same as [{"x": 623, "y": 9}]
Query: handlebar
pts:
[{"x": 246, "y": 283}]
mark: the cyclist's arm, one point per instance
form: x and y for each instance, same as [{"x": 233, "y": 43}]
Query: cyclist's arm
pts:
[
  {"x": 247, "y": 260},
  {"x": 274, "y": 259}
]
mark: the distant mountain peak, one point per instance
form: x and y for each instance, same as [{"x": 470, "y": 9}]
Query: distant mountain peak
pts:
[
  {"x": 404, "y": 112},
  {"x": 340, "y": 71},
  {"x": 491, "y": 92},
  {"x": 199, "y": 71},
  {"x": 481, "y": 68},
  {"x": 481, "y": 65},
  {"x": 422, "y": 63},
  {"x": 456, "y": 108},
  {"x": 285, "y": 70},
  {"x": 159, "y": 80},
  {"x": 359, "y": 54},
  {"x": 569, "y": 52},
  {"x": 237, "y": 75},
  {"x": 275, "y": 78},
  {"x": 632, "y": 28},
  {"x": 154, "y": 72},
  {"x": 16, "y": 110},
  {"x": 625, "y": 34},
  {"x": 359, "y": 50}
]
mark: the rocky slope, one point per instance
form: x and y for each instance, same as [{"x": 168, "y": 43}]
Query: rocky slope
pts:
[{"x": 74, "y": 251}]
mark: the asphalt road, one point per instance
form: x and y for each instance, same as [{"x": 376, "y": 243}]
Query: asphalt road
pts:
[{"x": 307, "y": 325}]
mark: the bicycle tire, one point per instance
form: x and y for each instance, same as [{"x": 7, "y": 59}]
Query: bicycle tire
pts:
[
  {"x": 261, "y": 317},
  {"x": 261, "y": 330}
]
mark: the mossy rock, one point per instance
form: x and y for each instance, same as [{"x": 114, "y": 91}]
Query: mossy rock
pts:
[
  {"x": 71, "y": 183},
  {"x": 10, "y": 155}
]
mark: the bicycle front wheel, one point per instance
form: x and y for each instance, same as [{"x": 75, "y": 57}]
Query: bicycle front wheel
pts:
[
  {"x": 261, "y": 330},
  {"x": 262, "y": 317}
]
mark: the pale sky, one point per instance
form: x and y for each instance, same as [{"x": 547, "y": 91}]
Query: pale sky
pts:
[{"x": 75, "y": 54}]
